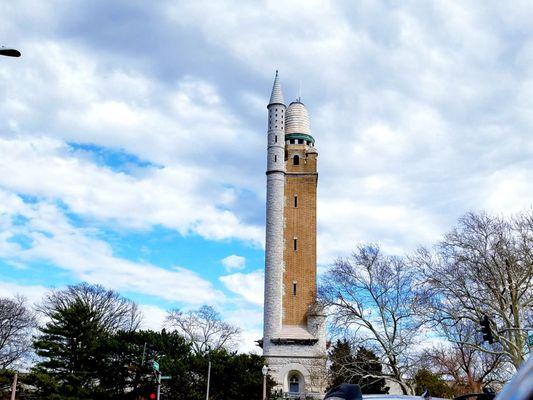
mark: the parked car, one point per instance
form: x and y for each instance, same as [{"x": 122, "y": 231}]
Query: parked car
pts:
[
  {"x": 518, "y": 388},
  {"x": 348, "y": 391}
]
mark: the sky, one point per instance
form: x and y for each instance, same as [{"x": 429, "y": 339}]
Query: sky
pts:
[{"x": 133, "y": 136}]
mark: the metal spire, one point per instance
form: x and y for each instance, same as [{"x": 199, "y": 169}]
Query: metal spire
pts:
[{"x": 277, "y": 96}]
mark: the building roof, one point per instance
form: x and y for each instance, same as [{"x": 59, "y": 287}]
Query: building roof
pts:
[
  {"x": 277, "y": 96},
  {"x": 297, "y": 119}
]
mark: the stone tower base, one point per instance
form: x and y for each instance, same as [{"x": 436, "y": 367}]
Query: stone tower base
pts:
[{"x": 308, "y": 372}]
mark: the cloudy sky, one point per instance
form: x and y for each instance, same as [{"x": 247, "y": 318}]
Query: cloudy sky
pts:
[{"x": 132, "y": 136}]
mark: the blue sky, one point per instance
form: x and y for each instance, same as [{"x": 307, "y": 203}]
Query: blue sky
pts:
[{"x": 132, "y": 136}]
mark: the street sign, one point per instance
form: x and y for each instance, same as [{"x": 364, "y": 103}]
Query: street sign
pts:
[
  {"x": 155, "y": 365},
  {"x": 530, "y": 340},
  {"x": 165, "y": 377}
]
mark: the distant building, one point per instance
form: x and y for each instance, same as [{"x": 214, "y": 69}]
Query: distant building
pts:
[{"x": 294, "y": 342}]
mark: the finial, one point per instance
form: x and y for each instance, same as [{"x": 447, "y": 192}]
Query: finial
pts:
[{"x": 299, "y": 91}]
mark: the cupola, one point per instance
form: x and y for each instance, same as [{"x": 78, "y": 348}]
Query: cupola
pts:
[{"x": 297, "y": 126}]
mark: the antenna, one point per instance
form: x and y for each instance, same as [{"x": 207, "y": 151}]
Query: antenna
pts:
[{"x": 299, "y": 91}]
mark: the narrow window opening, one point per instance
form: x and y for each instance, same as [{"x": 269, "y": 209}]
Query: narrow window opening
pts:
[
  {"x": 296, "y": 160},
  {"x": 275, "y": 139},
  {"x": 294, "y": 288},
  {"x": 300, "y": 141},
  {"x": 294, "y": 384},
  {"x": 295, "y": 244},
  {"x": 275, "y": 158},
  {"x": 295, "y": 201}
]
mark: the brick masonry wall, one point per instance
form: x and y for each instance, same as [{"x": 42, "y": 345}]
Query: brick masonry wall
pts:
[{"x": 300, "y": 223}]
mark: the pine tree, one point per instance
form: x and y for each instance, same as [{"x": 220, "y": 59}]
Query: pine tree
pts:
[
  {"x": 368, "y": 364},
  {"x": 342, "y": 360},
  {"x": 68, "y": 346},
  {"x": 80, "y": 320},
  {"x": 363, "y": 368}
]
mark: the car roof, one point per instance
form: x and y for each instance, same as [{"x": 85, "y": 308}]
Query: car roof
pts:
[{"x": 395, "y": 397}]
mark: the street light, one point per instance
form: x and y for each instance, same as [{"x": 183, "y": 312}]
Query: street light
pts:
[
  {"x": 208, "y": 372},
  {"x": 4, "y": 51},
  {"x": 264, "y": 370}
]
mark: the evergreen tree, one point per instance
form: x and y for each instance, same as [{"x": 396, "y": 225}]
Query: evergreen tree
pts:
[
  {"x": 369, "y": 370},
  {"x": 68, "y": 345},
  {"x": 425, "y": 379},
  {"x": 126, "y": 371},
  {"x": 235, "y": 376},
  {"x": 80, "y": 320},
  {"x": 342, "y": 361},
  {"x": 86, "y": 355},
  {"x": 363, "y": 368}
]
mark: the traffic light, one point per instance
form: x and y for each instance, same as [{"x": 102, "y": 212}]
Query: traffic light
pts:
[
  {"x": 152, "y": 396},
  {"x": 486, "y": 329}
]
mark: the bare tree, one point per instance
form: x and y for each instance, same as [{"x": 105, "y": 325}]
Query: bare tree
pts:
[
  {"x": 112, "y": 311},
  {"x": 371, "y": 297},
  {"x": 204, "y": 329},
  {"x": 483, "y": 267},
  {"x": 16, "y": 324},
  {"x": 469, "y": 368}
]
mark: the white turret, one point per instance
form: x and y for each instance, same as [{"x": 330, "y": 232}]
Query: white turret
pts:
[{"x": 274, "y": 216}]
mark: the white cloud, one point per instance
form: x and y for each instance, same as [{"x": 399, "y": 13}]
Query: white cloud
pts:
[
  {"x": 509, "y": 189},
  {"x": 250, "y": 320},
  {"x": 171, "y": 196},
  {"x": 78, "y": 250},
  {"x": 33, "y": 293},
  {"x": 233, "y": 262},
  {"x": 250, "y": 286},
  {"x": 153, "y": 317}
]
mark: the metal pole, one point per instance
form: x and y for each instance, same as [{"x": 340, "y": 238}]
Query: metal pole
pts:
[
  {"x": 158, "y": 385},
  {"x": 208, "y": 378},
  {"x": 144, "y": 354},
  {"x": 264, "y": 387},
  {"x": 14, "y": 387}
]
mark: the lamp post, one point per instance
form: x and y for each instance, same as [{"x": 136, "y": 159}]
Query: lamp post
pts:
[
  {"x": 264, "y": 370},
  {"x": 208, "y": 372},
  {"x": 4, "y": 51},
  {"x": 14, "y": 387}
]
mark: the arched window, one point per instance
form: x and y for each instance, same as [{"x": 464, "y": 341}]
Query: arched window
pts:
[
  {"x": 294, "y": 384},
  {"x": 296, "y": 160}
]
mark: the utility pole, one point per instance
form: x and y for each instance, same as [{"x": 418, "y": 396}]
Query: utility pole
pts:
[{"x": 14, "y": 387}]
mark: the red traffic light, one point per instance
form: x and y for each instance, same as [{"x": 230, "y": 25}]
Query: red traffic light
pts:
[{"x": 152, "y": 396}]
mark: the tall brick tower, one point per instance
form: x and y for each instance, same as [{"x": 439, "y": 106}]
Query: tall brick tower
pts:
[{"x": 293, "y": 341}]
